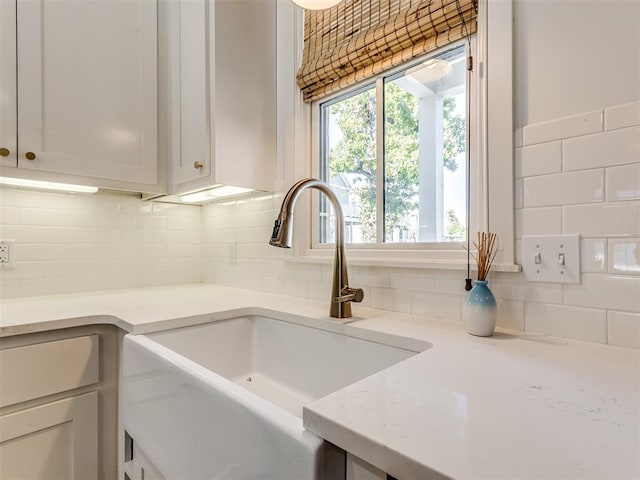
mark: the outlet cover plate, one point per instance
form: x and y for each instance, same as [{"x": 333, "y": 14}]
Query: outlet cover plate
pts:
[
  {"x": 548, "y": 250},
  {"x": 7, "y": 254}
]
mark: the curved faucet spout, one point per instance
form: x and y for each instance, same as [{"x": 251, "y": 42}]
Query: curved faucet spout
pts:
[{"x": 341, "y": 294}]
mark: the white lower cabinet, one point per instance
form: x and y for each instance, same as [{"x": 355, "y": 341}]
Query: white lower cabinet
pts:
[
  {"x": 358, "y": 469},
  {"x": 55, "y": 440},
  {"x": 58, "y": 404}
]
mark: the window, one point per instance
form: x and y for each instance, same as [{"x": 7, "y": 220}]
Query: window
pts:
[
  {"x": 394, "y": 151},
  {"x": 492, "y": 182}
]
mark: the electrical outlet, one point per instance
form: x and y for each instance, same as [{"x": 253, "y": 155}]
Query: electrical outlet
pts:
[{"x": 7, "y": 254}]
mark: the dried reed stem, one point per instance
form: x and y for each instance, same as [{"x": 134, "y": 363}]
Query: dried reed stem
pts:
[{"x": 487, "y": 247}]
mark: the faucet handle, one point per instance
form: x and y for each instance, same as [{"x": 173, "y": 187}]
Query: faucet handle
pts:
[{"x": 348, "y": 294}]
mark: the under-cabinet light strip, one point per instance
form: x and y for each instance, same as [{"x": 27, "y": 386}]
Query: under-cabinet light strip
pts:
[
  {"x": 42, "y": 185},
  {"x": 214, "y": 193}
]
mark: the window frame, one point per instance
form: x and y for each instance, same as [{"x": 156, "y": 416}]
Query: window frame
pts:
[
  {"x": 317, "y": 146},
  {"x": 492, "y": 198}
]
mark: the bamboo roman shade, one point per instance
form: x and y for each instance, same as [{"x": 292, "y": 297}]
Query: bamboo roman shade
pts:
[{"x": 358, "y": 39}]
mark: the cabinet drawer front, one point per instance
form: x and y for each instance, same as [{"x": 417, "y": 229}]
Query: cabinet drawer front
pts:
[{"x": 34, "y": 371}]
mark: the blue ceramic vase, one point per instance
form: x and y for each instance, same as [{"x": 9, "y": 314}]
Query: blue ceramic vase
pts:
[{"x": 479, "y": 311}]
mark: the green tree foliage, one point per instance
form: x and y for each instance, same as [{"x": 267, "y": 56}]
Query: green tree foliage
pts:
[
  {"x": 454, "y": 141},
  {"x": 356, "y": 151},
  {"x": 453, "y": 226}
]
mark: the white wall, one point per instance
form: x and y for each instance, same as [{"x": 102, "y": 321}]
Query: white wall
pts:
[{"x": 574, "y": 56}]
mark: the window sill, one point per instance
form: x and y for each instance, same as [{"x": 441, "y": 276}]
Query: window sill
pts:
[{"x": 427, "y": 264}]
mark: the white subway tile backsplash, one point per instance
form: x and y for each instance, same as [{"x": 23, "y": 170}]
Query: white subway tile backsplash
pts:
[
  {"x": 623, "y": 183},
  {"x": 450, "y": 281},
  {"x": 613, "y": 292},
  {"x": 593, "y": 253},
  {"x": 20, "y": 198},
  {"x": 515, "y": 287},
  {"x": 9, "y": 289},
  {"x": 309, "y": 272},
  {"x": 411, "y": 279},
  {"x": 71, "y": 243},
  {"x": 566, "y": 127},
  {"x": 166, "y": 236},
  {"x": 8, "y": 215},
  {"x": 538, "y": 221},
  {"x": 614, "y": 147},
  {"x": 102, "y": 267},
  {"x": 621, "y": 116},
  {"x": 624, "y": 256},
  {"x": 155, "y": 222},
  {"x": 616, "y": 219},
  {"x": 32, "y": 234},
  {"x": 391, "y": 299},
  {"x": 564, "y": 321},
  {"x": 40, "y": 286},
  {"x": 294, "y": 287},
  {"x": 623, "y": 329},
  {"x": 369, "y": 276},
  {"x": 436, "y": 305},
  {"x": 28, "y": 252},
  {"x": 539, "y": 159},
  {"x": 22, "y": 271},
  {"x": 564, "y": 188},
  {"x": 137, "y": 265},
  {"x": 81, "y": 284},
  {"x": 181, "y": 223},
  {"x": 510, "y": 314},
  {"x": 64, "y": 269},
  {"x": 318, "y": 290},
  {"x": 136, "y": 236}
]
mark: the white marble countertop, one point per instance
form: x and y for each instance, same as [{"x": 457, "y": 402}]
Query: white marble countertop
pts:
[{"x": 508, "y": 406}]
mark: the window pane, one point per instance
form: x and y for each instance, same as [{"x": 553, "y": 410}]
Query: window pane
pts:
[
  {"x": 424, "y": 152},
  {"x": 348, "y": 160}
]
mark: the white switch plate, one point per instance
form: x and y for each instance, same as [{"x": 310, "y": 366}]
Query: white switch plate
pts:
[
  {"x": 549, "y": 250},
  {"x": 7, "y": 254}
]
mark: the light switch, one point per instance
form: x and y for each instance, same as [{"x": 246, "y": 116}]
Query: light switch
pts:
[{"x": 551, "y": 258}]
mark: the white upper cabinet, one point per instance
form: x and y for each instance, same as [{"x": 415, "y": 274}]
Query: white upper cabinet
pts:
[
  {"x": 86, "y": 90},
  {"x": 8, "y": 113},
  {"x": 223, "y": 93}
]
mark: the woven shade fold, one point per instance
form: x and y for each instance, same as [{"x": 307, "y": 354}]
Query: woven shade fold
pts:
[{"x": 358, "y": 39}]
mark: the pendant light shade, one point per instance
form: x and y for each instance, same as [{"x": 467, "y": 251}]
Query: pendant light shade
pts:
[{"x": 316, "y": 4}]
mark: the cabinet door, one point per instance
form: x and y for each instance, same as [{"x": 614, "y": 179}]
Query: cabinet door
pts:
[
  {"x": 58, "y": 440},
  {"x": 190, "y": 92},
  {"x": 87, "y": 88},
  {"x": 8, "y": 118},
  {"x": 223, "y": 94},
  {"x": 244, "y": 94}
]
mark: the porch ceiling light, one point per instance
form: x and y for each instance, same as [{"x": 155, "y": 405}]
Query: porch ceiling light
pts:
[{"x": 430, "y": 71}]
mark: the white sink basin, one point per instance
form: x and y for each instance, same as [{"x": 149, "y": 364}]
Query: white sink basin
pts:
[{"x": 225, "y": 399}]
